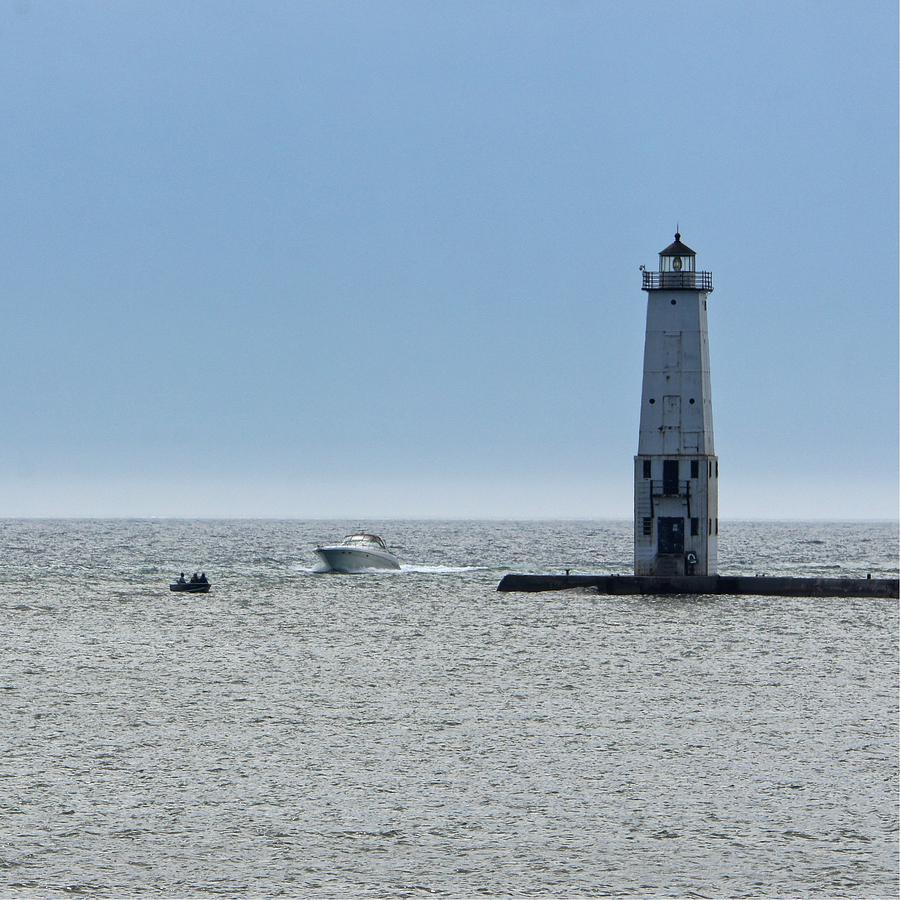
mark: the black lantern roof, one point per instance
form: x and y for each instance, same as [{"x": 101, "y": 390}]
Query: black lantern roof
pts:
[{"x": 676, "y": 248}]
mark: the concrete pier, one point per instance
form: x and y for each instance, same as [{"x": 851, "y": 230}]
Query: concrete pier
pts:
[{"x": 707, "y": 584}]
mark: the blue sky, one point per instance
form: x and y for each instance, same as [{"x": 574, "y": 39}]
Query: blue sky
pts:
[{"x": 381, "y": 259}]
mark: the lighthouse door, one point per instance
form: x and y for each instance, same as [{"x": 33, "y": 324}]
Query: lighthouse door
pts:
[
  {"x": 670, "y": 477},
  {"x": 671, "y": 536}
]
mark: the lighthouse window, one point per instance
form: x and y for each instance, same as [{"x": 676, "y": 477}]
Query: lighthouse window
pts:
[
  {"x": 695, "y": 526},
  {"x": 673, "y": 302},
  {"x": 717, "y": 468},
  {"x": 710, "y": 526},
  {"x": 648, "y": 526},
  {"x": 695, "y": 468},
  {"x": 717, "y": 526},
  {"x": 652, "y": 401},
  {"x": 646, "y": 468},
  {"x": 691, "y": 401},
  {"x": 710, "y": 470}
]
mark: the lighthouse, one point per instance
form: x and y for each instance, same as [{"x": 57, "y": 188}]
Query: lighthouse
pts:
[{"x": 676, "y": 472}]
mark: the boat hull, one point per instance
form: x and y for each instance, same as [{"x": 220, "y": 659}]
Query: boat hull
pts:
[
  {"x": 188, "y": 588},
  {"x": 352, "y": 560}
]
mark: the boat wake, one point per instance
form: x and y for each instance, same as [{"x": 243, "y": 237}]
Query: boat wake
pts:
[
  {"x": 441, "y": 570},
  {"x": 323, "y": 569}
]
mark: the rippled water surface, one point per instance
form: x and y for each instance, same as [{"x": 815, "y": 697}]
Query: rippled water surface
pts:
[{"x": 415, "y": 733}]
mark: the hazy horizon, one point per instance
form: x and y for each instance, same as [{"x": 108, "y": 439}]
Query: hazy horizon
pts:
[{"x": 400, "y": 519}]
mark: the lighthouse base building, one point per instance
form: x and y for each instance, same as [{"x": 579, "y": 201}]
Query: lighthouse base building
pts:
[{"x": 676, "y": 471}]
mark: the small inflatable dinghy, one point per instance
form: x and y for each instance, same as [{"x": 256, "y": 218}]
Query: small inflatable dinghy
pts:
[{"x": 196, "y": 584}]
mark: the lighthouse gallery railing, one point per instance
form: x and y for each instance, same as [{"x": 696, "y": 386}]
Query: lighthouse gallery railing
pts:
[{"x": 677, "y": 281}]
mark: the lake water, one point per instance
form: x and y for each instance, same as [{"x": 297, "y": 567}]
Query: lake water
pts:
[{"x": 416, "y": 733}]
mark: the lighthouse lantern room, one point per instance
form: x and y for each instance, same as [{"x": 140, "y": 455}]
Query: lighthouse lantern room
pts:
[{"x": 676, "y": 471}]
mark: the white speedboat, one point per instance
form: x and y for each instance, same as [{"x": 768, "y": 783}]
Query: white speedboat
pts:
[{"x": 358, "y": 552}]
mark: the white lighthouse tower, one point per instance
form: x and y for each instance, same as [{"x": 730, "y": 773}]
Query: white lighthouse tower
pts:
[{"x": 676, "y": 472}]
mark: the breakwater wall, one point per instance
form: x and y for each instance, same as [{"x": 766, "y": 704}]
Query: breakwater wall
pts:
[{"x": 762, "y": 585}]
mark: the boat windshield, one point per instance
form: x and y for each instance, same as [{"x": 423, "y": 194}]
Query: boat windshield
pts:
[{"x": 364, "y": 538}]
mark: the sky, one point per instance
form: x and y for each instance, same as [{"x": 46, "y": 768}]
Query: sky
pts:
[{"x": 352, "y": 259}]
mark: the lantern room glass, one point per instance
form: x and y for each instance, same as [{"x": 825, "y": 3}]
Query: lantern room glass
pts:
[{"x": 677, "y": 263}]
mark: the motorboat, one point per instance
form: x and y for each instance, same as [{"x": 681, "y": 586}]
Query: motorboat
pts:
[
  {"x": 359, "y": 552},
  {"x": 197, "y": 584}
]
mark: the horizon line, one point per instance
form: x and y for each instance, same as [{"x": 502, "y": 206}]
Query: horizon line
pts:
[{"x": 432, "y": 518}]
